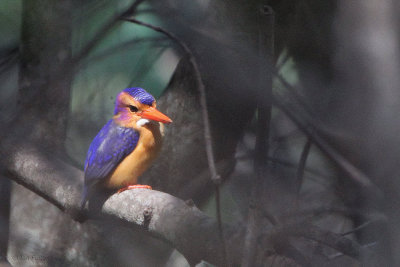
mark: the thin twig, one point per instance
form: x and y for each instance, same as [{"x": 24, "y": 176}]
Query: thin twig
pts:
[
  {"x": 290, "y": 164},
  {"x": 352, "y": 172},
  {"x": 219, "y": 221},
  {"x": 358, "y": 228},
  {"x": 146, "y": 66},
  {"x": 294, "y": 92},
  {"x": 283, "y": 61},
  {"x": 158, "y": 41},
  {"x": 316, "y": 212},
  {"x": 207, "y": 132},
  {"x": 201, "y": 88},
  {"x": 340, "y": 254},
  {"x": 8, "y": 58},
  {"x": 270, "y": 217},
  {"x": 302, "y": 166}
]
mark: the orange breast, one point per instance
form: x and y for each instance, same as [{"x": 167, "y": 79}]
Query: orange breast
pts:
[{"x": 139, "y": 160}]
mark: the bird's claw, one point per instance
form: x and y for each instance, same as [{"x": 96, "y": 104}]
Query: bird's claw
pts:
[{"x": 136, "y": 186}]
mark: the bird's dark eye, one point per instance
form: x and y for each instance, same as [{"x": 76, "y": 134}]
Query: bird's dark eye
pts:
[{"x": 133, "y": 109}]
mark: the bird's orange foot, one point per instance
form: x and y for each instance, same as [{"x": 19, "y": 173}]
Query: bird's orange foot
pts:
[{"x": 134, "y": 187}]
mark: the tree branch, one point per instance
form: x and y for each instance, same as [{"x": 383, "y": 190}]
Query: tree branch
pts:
[
  {"x": 189, "y": 230},
  {"x": 302, "y": 165}
]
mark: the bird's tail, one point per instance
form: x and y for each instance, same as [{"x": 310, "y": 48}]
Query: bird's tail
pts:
[{"x": 80, "y": 215}]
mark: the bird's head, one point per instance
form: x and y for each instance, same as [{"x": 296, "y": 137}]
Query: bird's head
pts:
[{"x": 135, "y": 107}]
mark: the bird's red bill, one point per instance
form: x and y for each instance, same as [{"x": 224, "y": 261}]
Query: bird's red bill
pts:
[{"x": 155, "y": 115}]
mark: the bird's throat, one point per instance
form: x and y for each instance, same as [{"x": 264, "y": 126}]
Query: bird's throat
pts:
[{"x": 142, "y": 122}]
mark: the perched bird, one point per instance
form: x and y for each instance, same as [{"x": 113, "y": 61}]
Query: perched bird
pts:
[{"x": 126, "y": 146}]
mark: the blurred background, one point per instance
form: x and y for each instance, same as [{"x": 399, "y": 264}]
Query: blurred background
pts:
[{"x": 330, "y": 70}]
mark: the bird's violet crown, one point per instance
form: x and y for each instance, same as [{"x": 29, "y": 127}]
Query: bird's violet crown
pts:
[{"x": 141, "y": 95}]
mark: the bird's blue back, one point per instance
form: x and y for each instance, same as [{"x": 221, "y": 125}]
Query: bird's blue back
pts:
[{"x": 110, "y": 146}]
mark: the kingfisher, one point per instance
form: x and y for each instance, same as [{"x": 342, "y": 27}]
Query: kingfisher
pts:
[{"x": 126, "y": 145}]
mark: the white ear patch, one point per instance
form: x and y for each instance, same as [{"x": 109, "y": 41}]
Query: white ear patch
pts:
[{"x": 142, "y": 122}]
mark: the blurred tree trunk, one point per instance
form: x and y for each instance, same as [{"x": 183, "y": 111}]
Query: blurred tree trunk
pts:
[
  {"x": 367, "y": 106},
  {"x": 38, "y": 229},
  {"x": 45, "y": 73},
  {"x": 39, "y": 232},
  {"x": 43, "y": 97}
]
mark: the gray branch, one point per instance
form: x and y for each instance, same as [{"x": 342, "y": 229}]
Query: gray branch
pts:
[
  {"x": 180, "y": 223},
  {"x": 164, "y": 216}
]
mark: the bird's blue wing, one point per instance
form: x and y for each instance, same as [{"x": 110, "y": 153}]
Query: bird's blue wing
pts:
[{"x": 110, "y": 146}]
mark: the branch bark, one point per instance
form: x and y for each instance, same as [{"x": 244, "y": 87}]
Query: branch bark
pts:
[{"x": 183, "y": 225}]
